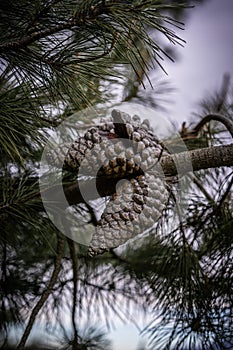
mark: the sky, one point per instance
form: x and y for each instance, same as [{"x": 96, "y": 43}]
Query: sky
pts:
[{"x": 206, "y": 56}]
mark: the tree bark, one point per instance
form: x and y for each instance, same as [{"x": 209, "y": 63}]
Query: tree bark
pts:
[
  {"x": 204, "y": 158},
  {"x": 179, "y": 163}
]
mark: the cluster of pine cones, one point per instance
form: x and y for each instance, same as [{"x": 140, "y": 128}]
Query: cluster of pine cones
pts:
[{"x": 124, "y": 148}]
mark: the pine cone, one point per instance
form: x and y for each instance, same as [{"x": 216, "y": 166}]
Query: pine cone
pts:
[{"x": 122, "y": 148}]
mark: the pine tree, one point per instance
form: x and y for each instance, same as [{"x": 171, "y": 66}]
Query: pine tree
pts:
[{"x": 58, "y": 58}]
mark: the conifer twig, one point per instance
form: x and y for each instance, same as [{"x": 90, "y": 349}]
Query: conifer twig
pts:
[
  {"x": 40, "y": 34},
  {"x": 73, "y": 256},
  {"x": 46, "y": 293},
  {"x": 214, "y": 116}
]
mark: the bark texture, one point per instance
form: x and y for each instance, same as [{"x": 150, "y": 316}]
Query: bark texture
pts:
[{"x": 205, "y": 158}]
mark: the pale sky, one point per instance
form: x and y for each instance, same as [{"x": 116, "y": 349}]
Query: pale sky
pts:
[{"x": 206, "y": 56}]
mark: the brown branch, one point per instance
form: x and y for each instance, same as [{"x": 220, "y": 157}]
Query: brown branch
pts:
[
  {"x": 69, "y": 24},
  {"x": 50, "y": 61},
  {"x": 74, "y": 260},
  {"x": 204, "y": 158},
  {"x": 181, "y": 163},
  {"x": 45, "y": 294},
  {"x": 16, "y": 45},
  {"x": 73, "y": 192},
  {"x": 214, "y": 116}
]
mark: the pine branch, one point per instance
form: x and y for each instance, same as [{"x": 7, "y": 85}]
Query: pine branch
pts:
[
  {"x": 204, "y": 158},
  {"x": 214, "y": 116},
  {"x": 201, "y": 187},
  {"x": 92, "y": 26},
  {"x": 181, "y": 163},
  {"x": 45, "y": 294},
  {"x": 226, "y": 193},
  {"x": 73, "y": 256},
  {"x": 192, "y": 134},
  {"x": 41, "y": 34}
]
